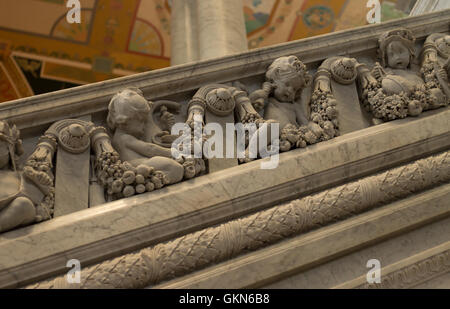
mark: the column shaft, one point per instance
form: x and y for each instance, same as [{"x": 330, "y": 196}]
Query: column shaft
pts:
[
  {"x": 184, "y": 38},
  {"x": 205, "y": 29}
]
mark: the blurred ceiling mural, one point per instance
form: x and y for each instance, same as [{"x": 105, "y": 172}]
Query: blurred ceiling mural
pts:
[{"x": 41, "y": 52}]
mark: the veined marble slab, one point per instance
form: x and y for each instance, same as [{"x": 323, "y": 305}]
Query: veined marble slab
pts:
[{"x": 92, "y": 235}]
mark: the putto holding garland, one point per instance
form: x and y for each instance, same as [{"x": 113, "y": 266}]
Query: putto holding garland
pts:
[
  {"x": 392, "y": 89},
  {"x": 287, "y": 90}
]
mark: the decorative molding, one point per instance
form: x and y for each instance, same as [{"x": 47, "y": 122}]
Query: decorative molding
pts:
[
  {"x": 414, "y": 274},
  {"x": 307, "y": 260},
  {"x": 137, "y": 223},
  {"x": 212, "y": 245}
]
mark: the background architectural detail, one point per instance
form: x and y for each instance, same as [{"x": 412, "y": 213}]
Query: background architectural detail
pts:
[
  {"x": 354, "y": 183},
  {"x": 123, "y": 37},
  {"x": 206, "y": 29}
]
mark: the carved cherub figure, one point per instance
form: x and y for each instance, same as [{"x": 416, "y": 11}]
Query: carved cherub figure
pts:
[
  {"x": 286, "y": 78},
  {"x": 288, "y": 91},
  {"x": 20, "y": 198},
  {"x": 392, "y": 89},
  {"x": 128, "y": 114},
  {"x": 396, "y": 49}
]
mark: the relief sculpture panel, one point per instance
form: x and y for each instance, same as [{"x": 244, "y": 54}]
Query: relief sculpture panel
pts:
[{"x": 133, "y": 150}]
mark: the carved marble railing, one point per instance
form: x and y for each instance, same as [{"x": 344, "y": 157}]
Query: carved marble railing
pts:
[{"x": 125, "y": 225}]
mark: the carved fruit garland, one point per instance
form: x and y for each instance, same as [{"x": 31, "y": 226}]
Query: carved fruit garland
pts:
[{"x": 121, "y": 179}]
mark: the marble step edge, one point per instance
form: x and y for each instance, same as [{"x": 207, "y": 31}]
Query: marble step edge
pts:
[
  {"x": 307, "y": 251},
  {"x": 71, "y": 103},
  {"x": 96, "y": 234}
]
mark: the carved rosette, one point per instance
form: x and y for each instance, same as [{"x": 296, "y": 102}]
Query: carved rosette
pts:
[
  {"x": 322, "y": 104},
  {"x": 74, "y": 138},
  {"x": 72, "y": 134},
  {"x": 220, "y": 102},
  {"x": 343, "y": 70}
]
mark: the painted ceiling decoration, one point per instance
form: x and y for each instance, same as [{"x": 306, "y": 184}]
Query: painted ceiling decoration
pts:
[{"x": 41, "y": 52}]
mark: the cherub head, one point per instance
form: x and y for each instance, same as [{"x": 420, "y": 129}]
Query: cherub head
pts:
[
  {"x": 129, "y": 111},
  {"x": 396, "y": 49},
  {"x": 287, "y": 75},
  {"x": 10, "y": 144}
]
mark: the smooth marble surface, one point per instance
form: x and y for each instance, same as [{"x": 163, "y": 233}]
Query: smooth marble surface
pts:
[
  {"x": 184, "y": 34},
  {"x": 426, "y": 6},
  {"x": 351, "y": 116},
  {"x": 221, "y": 28}
]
